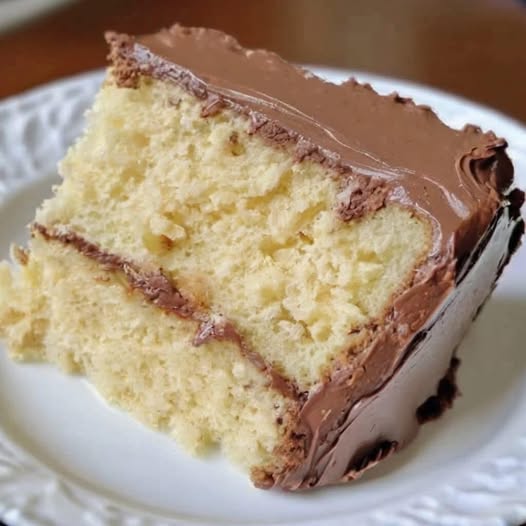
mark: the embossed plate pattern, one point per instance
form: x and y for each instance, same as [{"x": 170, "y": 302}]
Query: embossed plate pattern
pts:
[{"x": 66, "y": 458}]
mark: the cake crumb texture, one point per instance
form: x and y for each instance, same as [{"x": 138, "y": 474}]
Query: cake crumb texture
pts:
[
  {"x": 64, "y": 308},
  {"x": 236, "y": 223}
]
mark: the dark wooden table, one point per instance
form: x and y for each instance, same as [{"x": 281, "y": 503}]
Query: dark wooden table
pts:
[{"x": 476, "y": 48}]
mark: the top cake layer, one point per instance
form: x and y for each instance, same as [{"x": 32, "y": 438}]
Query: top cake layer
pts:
[{"x": 404, "y": 151}]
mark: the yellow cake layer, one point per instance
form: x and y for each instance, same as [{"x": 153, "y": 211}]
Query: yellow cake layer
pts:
[
  {"x": 236, "y": 223},
  {"x": 64, "y": 308}
]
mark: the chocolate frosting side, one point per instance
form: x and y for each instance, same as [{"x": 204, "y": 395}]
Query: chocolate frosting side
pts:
[
  {"x": 362, "y": 407},
  {"x": 379, "y": 150},
  {"x": 158, "y": 289}
]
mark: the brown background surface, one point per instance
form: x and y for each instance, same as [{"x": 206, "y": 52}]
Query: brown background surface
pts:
[{"x": 476, "y": 48}]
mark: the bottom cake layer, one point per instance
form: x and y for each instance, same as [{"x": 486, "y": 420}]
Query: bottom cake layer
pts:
[{"x": 67, "y": 309}]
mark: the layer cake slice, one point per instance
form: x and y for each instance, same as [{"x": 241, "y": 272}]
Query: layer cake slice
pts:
[{"x": 243, "y": 254}]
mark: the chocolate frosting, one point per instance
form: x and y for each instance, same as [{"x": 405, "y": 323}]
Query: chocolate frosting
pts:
[
  {"x": 387, "y": 148},
  {"x": 380, "y": 150},
  {"x": 158, "y": 289},
  {"x": 387, "y": 397}
]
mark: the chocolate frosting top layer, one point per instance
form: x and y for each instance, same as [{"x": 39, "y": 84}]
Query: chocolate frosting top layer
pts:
[
  {"x": 406, "y": 152},
  {"x": 380, "y": 149}
]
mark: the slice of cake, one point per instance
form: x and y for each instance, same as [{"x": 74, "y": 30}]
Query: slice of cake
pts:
[{"x": 243, "y": 254}]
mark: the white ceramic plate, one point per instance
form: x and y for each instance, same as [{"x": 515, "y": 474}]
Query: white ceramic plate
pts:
[{"x": 68, "y": 459}]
